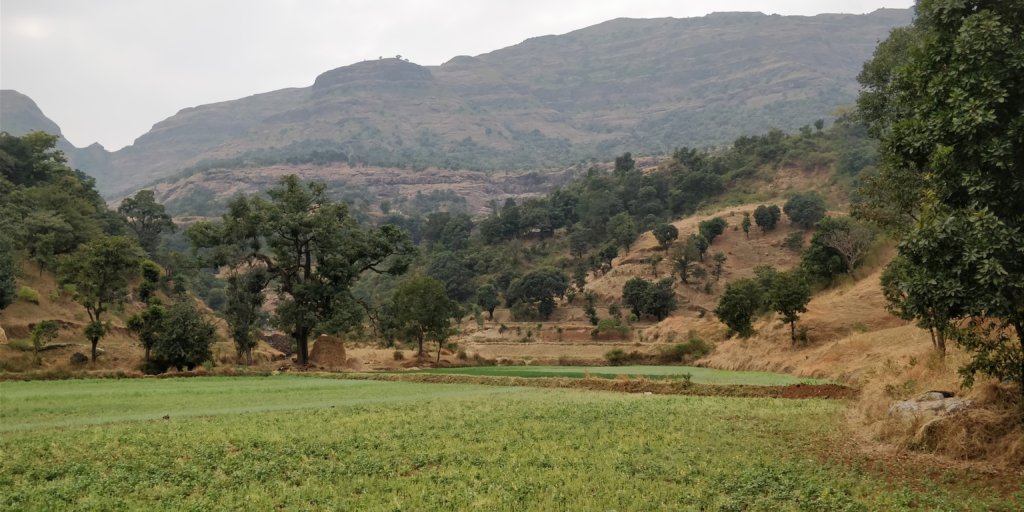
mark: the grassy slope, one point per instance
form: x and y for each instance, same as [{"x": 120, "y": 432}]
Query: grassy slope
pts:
[
  {"x": 699, "y": 375},
  {"x": 372, "y": 446}
]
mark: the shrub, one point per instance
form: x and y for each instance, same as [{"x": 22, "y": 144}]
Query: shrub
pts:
[
  {"x": 28, "y": 294},
  {"x": 462, "y": 354},
  {"x": 398, "y": 355},
  {"x": 694, "y": 348},
  {"x": 794, "y": 241},
  {"x": 79, "y": 359},
  {"x": 619, "y": 357},
  {"x": 21, "y": 345},
  {"x": 612, "y": 324}
]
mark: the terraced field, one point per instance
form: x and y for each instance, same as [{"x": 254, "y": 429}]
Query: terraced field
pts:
[{"x": 696, "y": 374}]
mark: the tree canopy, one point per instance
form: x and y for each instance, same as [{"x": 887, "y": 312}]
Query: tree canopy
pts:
[{"x": 945, "y": 98}]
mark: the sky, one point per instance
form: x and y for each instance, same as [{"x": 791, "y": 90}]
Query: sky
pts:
[{"x": 107, "y": 70}]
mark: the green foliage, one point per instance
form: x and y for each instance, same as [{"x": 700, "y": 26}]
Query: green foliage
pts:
[
  {"x": 538, "y": 289},
  {"x": 184, "y": 338},
  {"x": 100, "y": 272},
  {"x": 794, "y": 241},
  {"x": 619, "y": 357},
  {"x": 243, "y": 311},
  {"x": 718, "y": 260},
  {"x": 28, "y": 294},
  {"x": 912, "y": 294},
  {"x": 739, "y": 303},
  {"x": 450, "y": 269},
  {"x": 146, "y": 218},
  {"x": 746, "y": 224},
  {"x": 622, "y": 230},
  {"x": 313, "y": 251},
  {"x": 766, "y": 217},
  {"x": 805, "y": 209},
  {"x": 693, "y": 349},
  {"x": 148, "y": 325},
  {"x": 712, "y": 228},
  {"x": 649, "y": 299},
  {"x": 487, "y": 299},
  {"x": 590, "y": 306},
  {"x": 611, "y": 324},
  {"x": 788, "y": 296},
  {"x": 43, "y": 333},
  {"x": 422, "y": 311},
  {"x": 8, "y": 273},
  {"x": 944, "y": 97},
  {"x": 665, "y": 234}
]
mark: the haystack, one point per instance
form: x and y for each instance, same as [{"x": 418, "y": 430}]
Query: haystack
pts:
[{"x": 328, "y": 352}]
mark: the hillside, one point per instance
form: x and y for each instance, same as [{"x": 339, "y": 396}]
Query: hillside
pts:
[{"x": 645, "y": 86}]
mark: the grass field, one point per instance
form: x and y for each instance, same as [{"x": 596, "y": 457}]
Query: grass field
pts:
[
  {"x": 290, "y": 442},
  {"x": 698, "y": 375}
]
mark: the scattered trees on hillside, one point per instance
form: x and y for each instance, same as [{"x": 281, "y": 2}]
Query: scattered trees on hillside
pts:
[
  {"x": 805, "y": 209},
  {"x": 766, "y": 217},
  {"x": 100, "y": 272},
  {"x": 712, "y": 228},
  {"x": 147, "y": 326},
  {"x": 944, "y": 96}
]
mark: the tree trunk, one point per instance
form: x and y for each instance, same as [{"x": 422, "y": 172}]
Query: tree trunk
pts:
[
  {"x": 490, "y": 314},
  {"x": 792, "y": 331},
  {"x": 439, "y": 345},
  {"x": 147, "y": 355},
  {"x": 95, "y": 341},
  {"x": 940, "y": 341},
  {"x": 421, "y": 346},
  {"x": 302, "y": 345}
]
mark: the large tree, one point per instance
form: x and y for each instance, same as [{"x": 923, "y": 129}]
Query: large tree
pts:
[
  {"x": 100, "y": 272},
  {"x": 539, "y": 288},
  {"x": 665, "y": 234},
  {"x": 805, "y": 209},
  {"x": 312, "y": 249},
  {"x": 146, "y": 218},
  {"x": 739, "y": 303},
  {"x": 945, "y": 97}
]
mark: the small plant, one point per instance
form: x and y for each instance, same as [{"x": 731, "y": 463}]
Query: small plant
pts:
[
  {"x": 462, "y": 355},
  {"x": 502, "y": 328},
  {"x": 794, "y": 241},
  {"x": 28, "y": 294},
  {"x": 398, "y": 355}
]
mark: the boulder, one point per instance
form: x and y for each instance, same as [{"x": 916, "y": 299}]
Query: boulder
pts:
[{"x": 931, "y": 403}]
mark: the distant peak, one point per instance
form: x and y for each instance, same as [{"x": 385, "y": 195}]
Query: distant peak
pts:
[{"x": 381, "y": 70}]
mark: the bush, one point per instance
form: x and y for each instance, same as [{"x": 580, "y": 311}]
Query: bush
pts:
[
  {"x": 693, "y": 349},
  {"x": 794, "y": 241},
  {"x": 21, "y": 345},
  {"x": 79, "y": 359},
  {"x": 619, "y": 357},
  {"x": 398, "y": 355},
  {"x": 28, "y": 294},
  {"x": 612, "y": 324}
]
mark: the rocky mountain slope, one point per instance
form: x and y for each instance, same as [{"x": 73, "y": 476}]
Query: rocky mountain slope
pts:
[{"x": 641, "y": 85}]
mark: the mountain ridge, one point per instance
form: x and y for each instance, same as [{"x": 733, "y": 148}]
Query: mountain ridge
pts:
[{"x": 641, "y": 85}]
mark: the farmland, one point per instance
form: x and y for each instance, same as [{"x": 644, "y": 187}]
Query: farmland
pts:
[
  {"x": 696, "y": 374},
  {"x": 324, "y": 443}
]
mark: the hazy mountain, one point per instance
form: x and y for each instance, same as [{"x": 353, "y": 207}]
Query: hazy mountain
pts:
[
  {"x": 645, "y": 86},
  {"x": 20, "y": 115}
]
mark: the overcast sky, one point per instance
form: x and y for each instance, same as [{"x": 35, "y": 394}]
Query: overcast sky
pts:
[{"x": 107, "y": 70}]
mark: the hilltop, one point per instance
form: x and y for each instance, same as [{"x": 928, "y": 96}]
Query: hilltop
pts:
[{"x": 641, "y": 85}]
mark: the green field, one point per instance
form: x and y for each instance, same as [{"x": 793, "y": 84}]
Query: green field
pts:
[
  {"x": 292, "y": 442},
  {"x": 698, "y": 375}
]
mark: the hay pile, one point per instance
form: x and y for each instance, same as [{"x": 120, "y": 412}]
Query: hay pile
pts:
[{"x": 328, "y": 353}]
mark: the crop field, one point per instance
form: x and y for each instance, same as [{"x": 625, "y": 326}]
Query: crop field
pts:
[
  {"x": 697, "y": 375},
  {"x": 308, "y": 443}
]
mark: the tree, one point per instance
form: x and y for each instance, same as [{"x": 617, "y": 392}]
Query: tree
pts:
[
  {"x": 911, "y": 294},
  {"x": 621, "y": 230},
  {"x": 451, "y": 269},
  {"x": 579, "y": 241},
  {"x": 805, "y": 209},
  {"x": 244, "y": 307},
  {"x": 665, "y": 234},
  {"x": 654, "y": 261},
  {"x": 746, "y": 224},
  {"x": 313, "y": 251},
  {"x": 739, "y": 303},
  {"x": 683, "y": 257},
  {"x": 590, "y": 306},
  {"x": 185, "y": 337},
  {"x": 766, "y": 217},
  {"x": 646, "y": 298},
  {"x": 539, "y": 288},
  {"x": 100, "y": 272},
  {"x": 423, "y": 311},
  {"x": 8, "y": 273},
  {"x": 146, "y": 218},
  {"x": 946, "y": 99},
  {"x": 487, "y": 299},
  {"x": 147, "y": 325},
  {"x": 634, "y": 294},
  {"x": 849, "y": 238},
  {"x": 719, "y": 265},
  {"x": 43, "y": 333},
  {"x": 711, "y": 228},
  {"x": 788, "y": 296}
]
